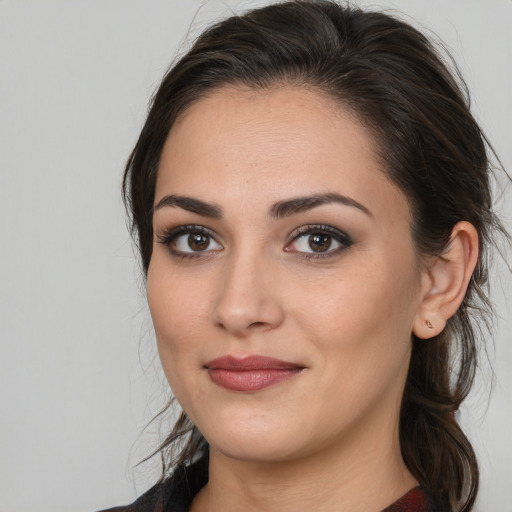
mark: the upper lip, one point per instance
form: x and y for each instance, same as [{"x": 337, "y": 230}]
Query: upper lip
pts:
[{"x": 249, "y": 363}]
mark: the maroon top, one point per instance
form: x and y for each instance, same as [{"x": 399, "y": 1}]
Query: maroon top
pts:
[{"x": 414, "y": 501}]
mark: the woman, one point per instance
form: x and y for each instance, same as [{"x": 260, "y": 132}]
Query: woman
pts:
[{"x": 311, "y": 200}]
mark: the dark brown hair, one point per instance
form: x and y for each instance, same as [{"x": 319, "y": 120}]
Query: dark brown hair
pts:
[{"x": 395, "y": 81}]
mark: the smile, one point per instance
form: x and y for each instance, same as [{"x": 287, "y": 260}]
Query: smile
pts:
[{"x": 250, "y": 373}]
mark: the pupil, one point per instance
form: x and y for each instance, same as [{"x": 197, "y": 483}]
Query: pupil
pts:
[
  {"x": 319, "y": 242},
  {"x": 198, "y": 241}
]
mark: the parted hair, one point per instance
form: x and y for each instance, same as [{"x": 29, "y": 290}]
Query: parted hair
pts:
[{"x": 416, "y": 106}]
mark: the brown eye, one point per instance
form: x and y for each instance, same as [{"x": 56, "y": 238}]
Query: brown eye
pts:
[
  {"x": 198, "y": 241},
  {"x": 190, "y": 240},
  {"x": 320, "y": 242}
]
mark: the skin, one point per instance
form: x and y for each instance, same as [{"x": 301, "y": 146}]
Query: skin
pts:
[{"x": 326, "y": 439}]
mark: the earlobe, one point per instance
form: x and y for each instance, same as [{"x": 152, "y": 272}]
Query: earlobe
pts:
[
  {"x": 446, "y": 280},
  {"x": 426, "y": 328}
]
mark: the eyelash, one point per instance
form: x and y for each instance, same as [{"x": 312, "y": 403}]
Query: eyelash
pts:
[{"x": 170, "y": 236}]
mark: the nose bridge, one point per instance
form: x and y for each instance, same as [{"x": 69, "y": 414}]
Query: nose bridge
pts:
[{"x": 246, "y": 299}]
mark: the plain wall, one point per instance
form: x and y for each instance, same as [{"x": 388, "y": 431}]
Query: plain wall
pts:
[{"x": 78, "y": 370}]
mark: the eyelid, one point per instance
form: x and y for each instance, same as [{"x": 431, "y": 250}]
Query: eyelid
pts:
[{"x": 308, "y": 229}]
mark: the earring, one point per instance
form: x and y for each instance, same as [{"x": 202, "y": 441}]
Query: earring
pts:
[{"x": 428, "y": 323}]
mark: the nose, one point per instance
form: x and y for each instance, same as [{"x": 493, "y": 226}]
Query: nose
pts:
[{"x": 248, "y": 298}]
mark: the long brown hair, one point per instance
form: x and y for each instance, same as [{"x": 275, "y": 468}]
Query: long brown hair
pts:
[{"x": 395, "y": 81}]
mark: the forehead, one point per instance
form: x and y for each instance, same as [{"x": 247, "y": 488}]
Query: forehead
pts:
[{"x": 236, "y": 143}]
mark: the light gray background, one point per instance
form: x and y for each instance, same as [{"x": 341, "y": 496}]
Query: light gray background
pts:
[{"x": 78, "y": 371}]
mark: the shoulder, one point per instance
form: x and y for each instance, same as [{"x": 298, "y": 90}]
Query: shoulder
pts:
[
  {"x": 416, "y": 500},
  {"x": 151, "y": 501}
]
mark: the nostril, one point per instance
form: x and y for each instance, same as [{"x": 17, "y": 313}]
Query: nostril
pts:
[{"x": 257, "y": 324}]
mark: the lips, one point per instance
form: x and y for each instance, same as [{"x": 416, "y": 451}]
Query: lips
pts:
[{"x": 250, "y": 373}]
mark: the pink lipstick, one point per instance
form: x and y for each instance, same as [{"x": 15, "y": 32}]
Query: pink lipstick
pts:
[{"x": 251, "y": 373}]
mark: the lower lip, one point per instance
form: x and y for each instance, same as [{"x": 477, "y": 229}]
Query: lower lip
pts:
[{"x": 251, "y": 380}]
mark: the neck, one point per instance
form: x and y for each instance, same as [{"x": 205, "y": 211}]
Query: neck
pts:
[{"x": 360, "y": 475}]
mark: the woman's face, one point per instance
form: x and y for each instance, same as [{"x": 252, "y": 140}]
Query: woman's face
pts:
[{"x": 283, "y": 283}]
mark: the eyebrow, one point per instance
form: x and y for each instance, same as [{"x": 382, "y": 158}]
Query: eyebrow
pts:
[
  {"x": 192, "y": 205},
  {"x": 277, "y": 211},
  {"x": 303, "y": 204}
]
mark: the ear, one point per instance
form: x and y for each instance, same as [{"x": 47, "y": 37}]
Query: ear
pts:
[{"x": 445, "y": 281}]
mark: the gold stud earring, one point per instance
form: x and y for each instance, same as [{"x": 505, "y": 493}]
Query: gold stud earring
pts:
[{"x": 428, "y": 323}]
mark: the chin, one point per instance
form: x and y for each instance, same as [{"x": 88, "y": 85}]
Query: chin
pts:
[
  {"x": 260, "y": 451},
  {"x": 258, "y": 441}
]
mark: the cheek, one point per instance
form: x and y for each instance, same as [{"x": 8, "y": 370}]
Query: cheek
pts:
[
  {"x": 178, "y": 312},
  {"x": 362, "y": 317},
  {"x": 362, "y": 334}
]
